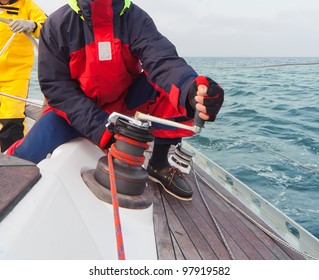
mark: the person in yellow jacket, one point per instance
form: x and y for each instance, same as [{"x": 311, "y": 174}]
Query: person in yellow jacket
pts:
[{"x": 16, "y": 62}]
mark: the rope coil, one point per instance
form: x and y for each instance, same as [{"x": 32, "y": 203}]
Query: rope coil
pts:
[{"x": 127, "y": 158}]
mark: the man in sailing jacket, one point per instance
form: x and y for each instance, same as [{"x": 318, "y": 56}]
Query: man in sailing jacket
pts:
[
  {"x": 16, "y": 61},
  {"x": 104, "y": 56}
]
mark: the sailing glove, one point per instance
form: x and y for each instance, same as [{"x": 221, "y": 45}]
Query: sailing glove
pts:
[
  {"x": 107, "y": 139},
  {"x": 214, "y": 99},
  {"x": 21, "y": 25}
]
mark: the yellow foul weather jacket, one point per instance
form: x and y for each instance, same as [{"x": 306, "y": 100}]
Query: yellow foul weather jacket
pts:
[{"x": 17, "y": 60}]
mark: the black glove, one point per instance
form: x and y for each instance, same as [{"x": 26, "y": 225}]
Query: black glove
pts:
[{"x": 214, "y": 99}]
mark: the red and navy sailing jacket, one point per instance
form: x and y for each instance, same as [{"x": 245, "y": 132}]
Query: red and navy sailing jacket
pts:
[{"x": 91, "y": 52}]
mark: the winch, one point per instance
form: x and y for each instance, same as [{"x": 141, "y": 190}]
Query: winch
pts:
[
  {"x": 132, "y": 135},
  {"x": 128, "y": 150}
]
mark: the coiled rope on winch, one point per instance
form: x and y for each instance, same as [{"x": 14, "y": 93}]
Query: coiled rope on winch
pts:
[{"x": 123, "y": 157}]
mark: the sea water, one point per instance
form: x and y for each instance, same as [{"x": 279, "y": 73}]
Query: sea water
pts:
[{"x": 267, "y": 132}]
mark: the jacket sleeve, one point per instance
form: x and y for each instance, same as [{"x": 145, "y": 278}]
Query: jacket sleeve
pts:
[
  {"x": 38, "y": 16},
  {"x": 62, "y": 92},
  {"x": 167, "y": 71}
]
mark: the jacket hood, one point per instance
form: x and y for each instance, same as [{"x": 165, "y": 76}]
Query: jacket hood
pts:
[{"x": 83, "y": 7}]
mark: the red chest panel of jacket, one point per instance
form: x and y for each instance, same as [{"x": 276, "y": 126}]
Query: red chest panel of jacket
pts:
[{"x": 104, "y": 68}]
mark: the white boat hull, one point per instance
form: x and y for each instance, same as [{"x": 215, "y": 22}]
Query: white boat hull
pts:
[{"x": 60, "y": 218}]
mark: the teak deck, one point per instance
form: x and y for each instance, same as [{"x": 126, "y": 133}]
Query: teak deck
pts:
[{"x": 186, "y": 230}]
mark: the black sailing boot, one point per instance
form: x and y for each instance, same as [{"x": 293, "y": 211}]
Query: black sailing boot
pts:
[
  {"x": 11, "y": 130},
  {"x": 170, "y": 178}
]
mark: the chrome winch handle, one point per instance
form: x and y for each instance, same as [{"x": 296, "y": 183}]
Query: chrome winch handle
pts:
[
  {"x": 140, "y": 117},
  {"x": 114, "y": 116},
  {"x": 145, "y": 117}
]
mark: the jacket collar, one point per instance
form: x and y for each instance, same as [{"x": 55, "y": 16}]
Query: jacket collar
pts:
[{"x": 83, "y": 7}]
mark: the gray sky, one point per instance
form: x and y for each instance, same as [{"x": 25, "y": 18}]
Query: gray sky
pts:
[{"x": 233, "y": 27}]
